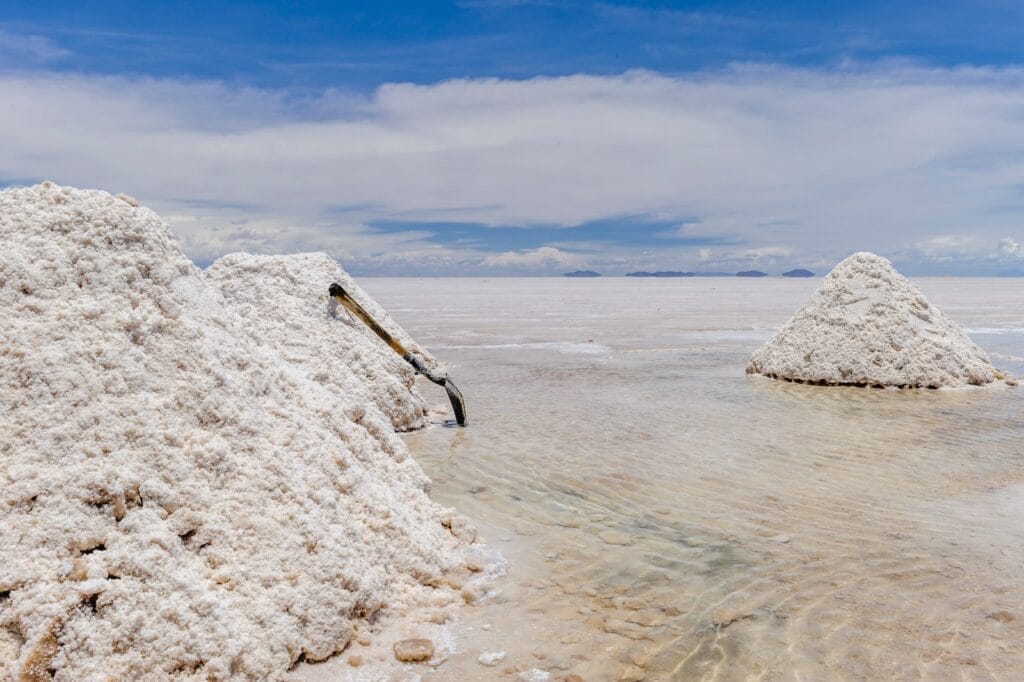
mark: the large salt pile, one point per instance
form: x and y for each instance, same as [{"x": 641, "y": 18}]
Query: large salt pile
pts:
[
  {"x": 176, "y": 500},
  {"x": 284, "y": 300},
  {"x": 866, "y": 325}
]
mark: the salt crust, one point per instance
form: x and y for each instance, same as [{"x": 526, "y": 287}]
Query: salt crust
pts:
[
  {"x": 868, "y": 325},
  {"x": 283, "y": 299},
  {"x": 176, "y": 499}
]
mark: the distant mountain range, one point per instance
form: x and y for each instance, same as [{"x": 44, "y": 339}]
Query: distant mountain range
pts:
[
  {"x": 675, "y": 273},
  {"x": 799, "y": 272},
  {"x": 660, "y": 273}
]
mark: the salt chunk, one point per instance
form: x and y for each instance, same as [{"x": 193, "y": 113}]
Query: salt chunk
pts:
[
  {"x": 491, "y": 658},
  {"x": 414, "y": 650}
]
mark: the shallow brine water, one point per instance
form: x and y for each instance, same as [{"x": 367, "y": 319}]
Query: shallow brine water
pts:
[{"x": 668, "y": 517}]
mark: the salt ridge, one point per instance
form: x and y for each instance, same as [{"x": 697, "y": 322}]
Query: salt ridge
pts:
[{"x": 176, "y": 499}]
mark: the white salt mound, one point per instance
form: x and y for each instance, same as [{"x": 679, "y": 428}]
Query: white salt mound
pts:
[
  {"x": 867, "y": 325},
  {"x": 176, "y": 499},
  {"x": 283, "y": 300}
]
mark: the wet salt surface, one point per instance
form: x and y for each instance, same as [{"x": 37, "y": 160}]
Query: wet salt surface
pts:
[{"x": 667, "y": 517}]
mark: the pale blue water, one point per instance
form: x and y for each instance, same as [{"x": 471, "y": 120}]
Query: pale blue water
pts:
[{"x": 669, "y": 517}]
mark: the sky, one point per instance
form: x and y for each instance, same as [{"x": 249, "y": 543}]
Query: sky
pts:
[{"x": 520, "y": 137}]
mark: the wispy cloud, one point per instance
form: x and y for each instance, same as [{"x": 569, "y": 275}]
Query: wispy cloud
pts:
[
  {"x": 22, "y": 50},
  {"x": 791, "y": 166},
  {"x": 501, "y": 4},
  {"x": 675, "y": 20}
]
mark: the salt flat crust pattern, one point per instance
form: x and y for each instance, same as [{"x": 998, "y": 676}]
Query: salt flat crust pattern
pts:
[
  {"x": 868, "y": 325},
  {"x": 176, "y": 500},
  {"x": 283, "y": 299}
]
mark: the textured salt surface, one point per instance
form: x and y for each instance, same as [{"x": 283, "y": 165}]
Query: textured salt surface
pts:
[
  {"x": 176, "y": 500},
  {"x": 283, "y": 300},
  {"x": 868, "y": 325}
]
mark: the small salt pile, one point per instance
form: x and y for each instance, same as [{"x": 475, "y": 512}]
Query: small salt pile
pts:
[
  {"x": 177, "y": 499},
  {"x": 866, "y": 325}
]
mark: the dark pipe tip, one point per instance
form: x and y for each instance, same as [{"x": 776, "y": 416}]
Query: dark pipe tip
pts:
[{"x": 336, "y": 290}]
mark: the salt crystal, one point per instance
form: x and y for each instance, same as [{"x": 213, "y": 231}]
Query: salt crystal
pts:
[{"x": 491, "y": 658}]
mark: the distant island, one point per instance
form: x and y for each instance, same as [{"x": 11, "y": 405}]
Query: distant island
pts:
[
  {"x": 676, "y": 273},
  {"x": 660, "y": 273},
  {"x": 582, "y": 273},
  {"x": 799, "y": 272}
]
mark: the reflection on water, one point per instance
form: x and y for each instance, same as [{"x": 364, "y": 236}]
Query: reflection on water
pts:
[{"x": 668, "y": 517}]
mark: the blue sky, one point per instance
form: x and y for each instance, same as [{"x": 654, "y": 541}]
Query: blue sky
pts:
[
  {"x": 518, "y": 137},
  {"x": 310, "y": 45}
]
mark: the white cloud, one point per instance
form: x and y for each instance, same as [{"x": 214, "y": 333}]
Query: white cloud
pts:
[
  {"x": 1011, "y": 248},
  {"x": 543, "y": 258},
  {"x": 975, "y": 250},
  {"x": 954, "y": 247},
  {"x": 727, "y": 259},
  {"x": 767, "y": 252},
  {"x": 799, "y": 166}
]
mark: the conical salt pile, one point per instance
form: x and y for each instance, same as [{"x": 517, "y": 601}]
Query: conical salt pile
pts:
[
  {"x": 866, "y": 325},
  {"x": 176, "y": 499}
]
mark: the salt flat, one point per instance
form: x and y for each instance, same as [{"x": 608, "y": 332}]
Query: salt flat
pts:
[{"x": 668, "y": 517}]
